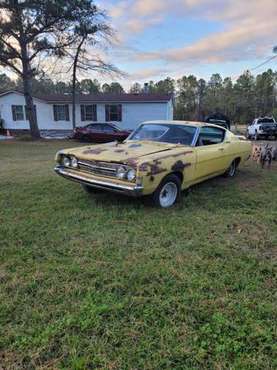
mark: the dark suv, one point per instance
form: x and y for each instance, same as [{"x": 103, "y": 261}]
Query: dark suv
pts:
[{"x": 219, "y": 119}]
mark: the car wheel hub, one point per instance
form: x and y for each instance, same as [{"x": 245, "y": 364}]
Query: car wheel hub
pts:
[{"x": 168, "y": 194}]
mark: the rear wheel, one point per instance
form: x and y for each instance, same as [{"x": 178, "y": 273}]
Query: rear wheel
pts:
[
  {"x": 232, "y": 170},
  {"x": 168, "y": 192}
]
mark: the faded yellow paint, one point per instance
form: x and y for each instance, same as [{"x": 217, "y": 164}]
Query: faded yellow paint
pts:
[{"x": 155, "y": 160}]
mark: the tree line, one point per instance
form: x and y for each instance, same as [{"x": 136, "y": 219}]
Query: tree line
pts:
[{"x": 242, "y": 100}]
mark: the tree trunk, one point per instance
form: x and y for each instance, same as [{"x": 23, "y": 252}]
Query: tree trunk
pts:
[
  {"x": 74, "y": 97},
  {"x": 27, "y": 89},
  {"x": 30, "y": 109},
  {"x": 74, "y": 78}
]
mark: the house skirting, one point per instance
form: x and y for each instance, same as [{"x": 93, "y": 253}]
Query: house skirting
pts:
[{"x": 53, "y": 133}]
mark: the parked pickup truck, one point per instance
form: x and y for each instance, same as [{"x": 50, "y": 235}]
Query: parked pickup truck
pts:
[{"x": 262, "y": 127}]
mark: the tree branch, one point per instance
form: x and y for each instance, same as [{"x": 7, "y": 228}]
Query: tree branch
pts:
[{"x": 7, "y": 63}]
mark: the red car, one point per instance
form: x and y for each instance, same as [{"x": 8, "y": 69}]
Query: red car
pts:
[{"x": 100, "y": 133}]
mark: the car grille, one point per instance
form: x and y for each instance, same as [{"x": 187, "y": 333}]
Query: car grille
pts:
[{"x": 98, "y": 168}]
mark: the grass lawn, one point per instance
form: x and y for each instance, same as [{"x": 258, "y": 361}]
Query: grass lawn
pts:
[{"x": 107, "y": 282}]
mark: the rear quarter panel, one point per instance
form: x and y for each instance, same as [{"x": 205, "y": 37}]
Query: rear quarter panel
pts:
[{"x": 240, "y": 148}]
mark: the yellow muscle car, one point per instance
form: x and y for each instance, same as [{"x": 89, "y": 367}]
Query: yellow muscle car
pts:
[{"x": 160, "y": 158}]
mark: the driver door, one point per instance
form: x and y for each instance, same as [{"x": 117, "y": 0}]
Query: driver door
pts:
[{"x": 211, "y": 158}]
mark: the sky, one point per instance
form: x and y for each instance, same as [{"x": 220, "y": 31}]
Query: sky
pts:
[{"x": 160, "y": 38}]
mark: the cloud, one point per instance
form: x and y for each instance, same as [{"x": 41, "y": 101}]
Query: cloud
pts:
[
  {"x": 136, "y": 25},
  {"x": 135, "y": 16},
  {"x": 242, "y": 41},
  {"x": 144, "y": 8},
  {"x": 249, "y": 31},
  {"x": 146, "y": 73}
]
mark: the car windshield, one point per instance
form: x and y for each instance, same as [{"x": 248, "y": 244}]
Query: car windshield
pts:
[{"x": 166, "y": 133}]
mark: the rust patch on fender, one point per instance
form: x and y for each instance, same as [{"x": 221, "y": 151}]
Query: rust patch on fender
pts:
[
  {"x": 176, "y": 155},
  {"x": 155, "y": 169},
  {"x": 132, "y": 162},
  {"x": 180, "y": 166},
  {"x": 94, "y": 151},
  {"x": 143, "y": 166}
]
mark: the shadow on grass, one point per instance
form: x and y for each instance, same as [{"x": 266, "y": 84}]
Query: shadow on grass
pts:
[{"x": 206, "y": 191}]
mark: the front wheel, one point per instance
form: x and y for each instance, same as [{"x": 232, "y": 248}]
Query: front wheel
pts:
[
  {"x": 168, "y": 192},
  {"x": 256, "y": 137}
]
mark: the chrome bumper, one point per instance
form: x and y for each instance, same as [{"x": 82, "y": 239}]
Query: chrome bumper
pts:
[{"x": 134, "y": 190}]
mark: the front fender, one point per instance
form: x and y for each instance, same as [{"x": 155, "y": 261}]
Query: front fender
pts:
[{"x": 151, "y": 172}]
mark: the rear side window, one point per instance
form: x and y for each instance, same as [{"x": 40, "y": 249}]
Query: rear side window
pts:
[
  {"x": 95, "y": 127},
  {"x": 108, "y": 128},
  {"x": 210, "y": 136}
]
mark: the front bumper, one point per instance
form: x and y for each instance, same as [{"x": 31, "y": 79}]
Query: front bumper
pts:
[
  {"x": 271, "y": 132},
  {"x": 95, "y": 182}
]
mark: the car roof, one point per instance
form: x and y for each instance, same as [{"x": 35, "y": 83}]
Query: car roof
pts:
[
  {"x": 187, "y": 123},
  {"x": 266, "y": 117},
  {"x": 102, "y": 123}
]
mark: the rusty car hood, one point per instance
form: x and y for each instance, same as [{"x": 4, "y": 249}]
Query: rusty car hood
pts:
[{"x": 120, "y": 152}]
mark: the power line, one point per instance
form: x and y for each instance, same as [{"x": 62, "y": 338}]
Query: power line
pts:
[
  {"x": 258, "y": 66},
  {"x": 263, "y": 63}
]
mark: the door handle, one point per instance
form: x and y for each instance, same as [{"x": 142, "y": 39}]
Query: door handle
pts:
[{"x": 221, "y": 149}]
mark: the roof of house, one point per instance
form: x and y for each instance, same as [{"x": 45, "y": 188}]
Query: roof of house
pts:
[{"x": 100, "y": 98}]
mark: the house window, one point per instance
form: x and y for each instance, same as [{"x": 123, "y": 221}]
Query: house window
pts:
[
  {"x": 113, "y": 112},
  {"x": 61, "y": 112},
  {"x": 88, "y": 113},
  {"x": 17, "y": 112}
]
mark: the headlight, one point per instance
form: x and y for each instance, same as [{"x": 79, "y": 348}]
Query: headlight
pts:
[
  {"x": 121, "y": 172},
  {"x": 74, "y": 162},
  {"x": 66, "y": 161},
  {"x": 131, "y": 174}
]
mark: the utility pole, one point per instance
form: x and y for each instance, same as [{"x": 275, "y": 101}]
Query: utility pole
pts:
[{"x": 274, "y": 50}]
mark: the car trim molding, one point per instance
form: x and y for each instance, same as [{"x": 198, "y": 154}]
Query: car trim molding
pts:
[{"x": 195, "y": 138}]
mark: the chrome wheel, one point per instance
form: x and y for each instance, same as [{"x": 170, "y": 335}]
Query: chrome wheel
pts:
[{"x": 168, "y": 194}]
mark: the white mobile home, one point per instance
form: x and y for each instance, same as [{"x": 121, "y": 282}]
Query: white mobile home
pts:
[{"x": 54, "y": 112}]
